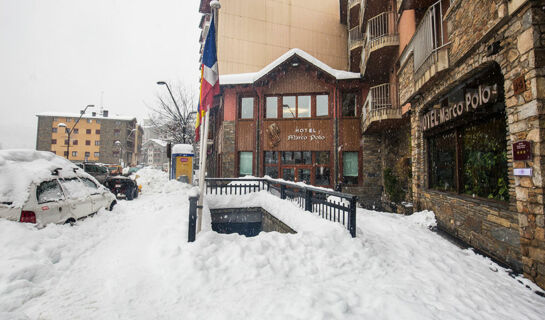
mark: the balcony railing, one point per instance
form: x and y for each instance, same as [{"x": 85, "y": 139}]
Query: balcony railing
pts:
[
  {"x": 363, "y": 6},
  {"x": 352, "y": 3},
  {"x": 355, "y": 37},
  {"x": 381, "y": 104},
  {"x": 428, "y": 37},
  {"x": 381, "y": 32}
]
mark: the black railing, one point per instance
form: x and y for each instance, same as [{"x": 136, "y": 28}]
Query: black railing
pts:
[{"x": 331, "y": 205}]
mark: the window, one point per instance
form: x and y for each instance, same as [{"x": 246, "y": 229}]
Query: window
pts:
[
  {"x": 247, "y": 108},
  {"x": 87, "y": 154},
  {"x": 68, "y": 119},
  {"x": 116, "y": 153},
  {"x": 97, "y": 121},
  {"x": 74, "y": 188},
  {"x": 288, "y": 107},
  {"x": 322, "y": 105},
  {"x": 303, "y": 106},
  {"x": 88, "y": 131},
  {"x": 97, "y": 154},
  {"x": 54, "y": 130},
  {"x": 89, "y": 120},
  {"x": 97, "y": 131},
  {"x": 271, "y": 107},
  {"x": 271, "y": 163},
  {"x": 482, "y": 171},
  {"x": 55, "y": 119},
  {"x": 76, "y": 131},
  {"x": 65, "y": 141},
  {"x": 75, "y": 142},
  {"x": 117, "y": 123},
  {"x": 245, "y": 163},
  {"x": 349, "y": 104},
  {"x": 91, "y": 187},
  {"x": 49, "y": 191},
  {"x": 53, "y": 141},
  {"x": 350, "y": 167},
  {"x": 97, "y": 143},
  {"x": 74, "y": 153},
  {"x": 87, "y": 142},
  {"x": 296, "y": 157},
  {"x": 322, "y": 168}
]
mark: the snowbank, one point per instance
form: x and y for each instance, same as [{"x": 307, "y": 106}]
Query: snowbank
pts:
[
  {"x": 20, "y": 167},
  {"x": 135, "y": 263}
]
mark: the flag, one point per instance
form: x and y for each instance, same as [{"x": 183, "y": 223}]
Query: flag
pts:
[{"x": 210, "y": 84}]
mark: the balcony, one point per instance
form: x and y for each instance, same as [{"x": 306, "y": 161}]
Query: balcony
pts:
[
  {"x": 381, "y": 109},
  {"x": 355, "y": 38},
  {"x": 429, "y": 46},
  {"x": 381, "y": 45}
]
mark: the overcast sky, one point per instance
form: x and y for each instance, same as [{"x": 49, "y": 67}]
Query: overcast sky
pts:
[{"x": 61, "y": 55}]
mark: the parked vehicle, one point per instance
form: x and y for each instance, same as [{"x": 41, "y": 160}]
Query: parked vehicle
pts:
[
  {"x": 122, "y": 187},
  {"x": 41, "y": 188},
  {"x": 114, "y": 169},
  {"x": 99, "y": 171}
]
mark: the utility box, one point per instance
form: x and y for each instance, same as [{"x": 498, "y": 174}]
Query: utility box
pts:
[{"x": 181, "y": 162}]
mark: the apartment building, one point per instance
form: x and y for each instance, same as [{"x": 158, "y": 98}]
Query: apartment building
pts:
[
  {"x": 97, "y": 137},
  {"x": 154, "y": 153},
  {"x": 473, "y": 76},
  {"x": 376, "y": 35}
]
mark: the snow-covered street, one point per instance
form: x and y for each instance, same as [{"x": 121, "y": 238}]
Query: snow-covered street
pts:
[{"x": 135, "y": 263}]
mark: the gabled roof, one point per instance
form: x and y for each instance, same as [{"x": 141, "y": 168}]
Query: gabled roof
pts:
[{"x": 250, "y": 78}]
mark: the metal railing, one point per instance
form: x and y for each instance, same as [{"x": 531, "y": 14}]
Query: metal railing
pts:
[
  {"x": 330, "y": 205},
  {"x": 352, "y": 2},
  {"x": 379, "y": 28},
  {"x": 381, "y": 101},
  {"x": 354, "y": 35},
  {"x": 428, "y": 37}
]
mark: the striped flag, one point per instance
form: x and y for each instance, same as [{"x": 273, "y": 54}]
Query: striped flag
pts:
[{"x": 210, "y": 84}]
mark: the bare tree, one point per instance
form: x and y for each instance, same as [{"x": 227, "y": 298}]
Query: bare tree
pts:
[{"x": 175, "y": 121}]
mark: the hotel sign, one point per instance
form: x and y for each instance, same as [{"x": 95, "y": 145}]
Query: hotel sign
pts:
[
  {"x": 305, "y": 134},
  {"x": 474, "y": 98}
]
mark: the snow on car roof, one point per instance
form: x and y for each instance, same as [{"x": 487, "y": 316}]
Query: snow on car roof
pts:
[{"x": 19, "y": 168}]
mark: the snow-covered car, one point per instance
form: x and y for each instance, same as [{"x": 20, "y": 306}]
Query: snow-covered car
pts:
[
  {"x": 122, "y": 187},
  {"x": 40, "y": 187}
]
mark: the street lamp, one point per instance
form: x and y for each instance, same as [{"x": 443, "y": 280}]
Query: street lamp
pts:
[
  {"x": 162, "y": 83},
  {"x": 69, "y": 131},
  {"x": 120, "y": 146}
]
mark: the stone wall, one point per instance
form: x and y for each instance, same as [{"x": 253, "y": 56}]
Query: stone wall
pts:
[
  {"x": 228, "y": 150},
  {"x": 370, "y": 192},
  {"x": 43, "y": 134},
  {"x": 396, "y": 155},
  {"x": 487, "y": 227}
]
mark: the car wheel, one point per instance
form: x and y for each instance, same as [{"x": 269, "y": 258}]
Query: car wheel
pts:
[
  {"x": 136, "y": 192},
  {"x": 70, "y": 221},
  {"x": 112, "y": 205},
  {"x": 130, "y": 194}
]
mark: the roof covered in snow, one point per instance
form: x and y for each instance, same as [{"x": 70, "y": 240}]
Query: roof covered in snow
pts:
[
  {"x": 160, "y": 142},
  {"x": 248, "y": 78},
  {"x": 85, "y": 116},
  {"x": 21, "y": 167}
]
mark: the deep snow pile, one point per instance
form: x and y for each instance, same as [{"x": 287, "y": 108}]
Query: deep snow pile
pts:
[{"x": 135, "y": 263}]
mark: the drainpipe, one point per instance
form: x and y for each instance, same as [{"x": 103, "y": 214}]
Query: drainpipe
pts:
[
  {"x": 257, "y": 130},
  {"x": 336, "y": 135}
]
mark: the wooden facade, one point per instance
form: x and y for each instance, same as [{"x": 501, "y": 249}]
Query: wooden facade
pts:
[{"x": 303, "y": 135}]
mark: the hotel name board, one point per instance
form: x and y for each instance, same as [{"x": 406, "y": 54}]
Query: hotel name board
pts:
[{"x": 474, "y": 98}]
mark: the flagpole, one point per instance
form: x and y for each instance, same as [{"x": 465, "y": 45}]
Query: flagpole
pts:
[
  {"x": 214, "y": 5},
  {"x": 202, "y": 172}
]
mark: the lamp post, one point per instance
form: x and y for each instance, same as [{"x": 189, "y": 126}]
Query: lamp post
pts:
[
  {"x": 69, "y": 131},
  {"x": 120, "y": 146},
  {"x": 162, "y": 83}
]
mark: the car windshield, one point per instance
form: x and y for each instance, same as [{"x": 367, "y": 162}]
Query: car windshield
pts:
[
  {"x": 49, "y": 191},
  {"x": 74, "y": 188}
]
